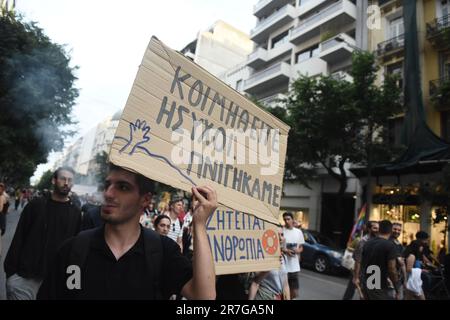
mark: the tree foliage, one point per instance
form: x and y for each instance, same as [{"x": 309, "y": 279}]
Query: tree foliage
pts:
[
  {"x": 46, "y": 181},
  {"x": 101, "y": 159},
  {"x": 37, "y": 94},
  {"x": 334, "y": 121}
]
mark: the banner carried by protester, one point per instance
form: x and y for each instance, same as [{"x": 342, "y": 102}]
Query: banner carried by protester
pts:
[
  {"x": 184, "y": 127},
  {"x": 242, "y": 242}
]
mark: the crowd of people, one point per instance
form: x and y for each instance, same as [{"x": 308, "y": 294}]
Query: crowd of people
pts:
[
  {"x": 385, "y": 269},
  {"x": 128, "y": 247},
  {"x": 58, "y": 228}
]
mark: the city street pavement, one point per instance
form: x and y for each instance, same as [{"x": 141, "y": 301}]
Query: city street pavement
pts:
[{"x": 313, "y": 286}]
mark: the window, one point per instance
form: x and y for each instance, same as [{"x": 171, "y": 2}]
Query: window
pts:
[
  {"x": 396, "y": 28},
  {"x": 280, "y": 39},
  {"x": 446, "y": 67},
  {"x": 443, "y": 7},
  {"x": 396, "y": 69},
  {"x": 307, "y": 54},
  {"x": 395, "y": 131}
]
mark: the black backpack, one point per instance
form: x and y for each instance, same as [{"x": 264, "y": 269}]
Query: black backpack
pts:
[{"x": 153, "y": 255}]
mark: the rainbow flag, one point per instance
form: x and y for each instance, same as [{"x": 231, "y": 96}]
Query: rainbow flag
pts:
[{"x": 358, "y": 226}]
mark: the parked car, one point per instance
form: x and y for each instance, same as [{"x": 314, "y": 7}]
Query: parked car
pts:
[{"x": 320, "y": 253}]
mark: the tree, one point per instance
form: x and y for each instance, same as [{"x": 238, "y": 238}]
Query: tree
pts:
[
  {"x": 101, "y": 159},
  {"x": 335, "y": 122},
  {"x": 46, "y": 181},
  {"x": 37, "y": 94}
]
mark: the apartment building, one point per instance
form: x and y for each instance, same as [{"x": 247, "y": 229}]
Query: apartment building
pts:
[
  {"x": 81, "y": 155},
  {"x": 397, "y": 198},
  {"x": 7, "y": 5},
  {"x": 307, "y": 37},
  {"x": 219, "y": 48}
]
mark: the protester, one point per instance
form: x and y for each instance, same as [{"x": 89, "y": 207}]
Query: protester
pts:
[
  {"x": 417, "y": 277},
  {"x": 162, "y": 224},
  {"x": 372, "y": 229},
  {"x": 4, "y": 205},
  {"x": 400, "y": 264},
  {"x": 44, "y": 225},
  {"x": 141, "y": 264},
  {"x": 271, "y": 285},
  {"x": 378, "y": 265},
  {"x": 176, "y": 231},
  {"x": 294, "y": 246}
]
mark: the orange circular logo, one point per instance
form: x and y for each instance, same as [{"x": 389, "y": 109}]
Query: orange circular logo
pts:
[{"x": 270, "y": 241}]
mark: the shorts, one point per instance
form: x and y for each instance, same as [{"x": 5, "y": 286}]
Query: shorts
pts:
[{"x": 293, "y": 279}]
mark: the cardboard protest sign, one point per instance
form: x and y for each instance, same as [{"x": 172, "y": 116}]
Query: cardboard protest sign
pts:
[
  {"x": 184, "y": 127},
  {"x": 242, "y": 242}
]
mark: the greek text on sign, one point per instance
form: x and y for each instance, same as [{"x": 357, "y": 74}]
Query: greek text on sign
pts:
[{"x": 184, "y": 127}]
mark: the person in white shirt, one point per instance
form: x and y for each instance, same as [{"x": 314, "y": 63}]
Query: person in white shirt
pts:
[
  {"x": 4, "y": 204},
  {"x": 292, "y": 249},
  {"x": 176, "y": 230}
]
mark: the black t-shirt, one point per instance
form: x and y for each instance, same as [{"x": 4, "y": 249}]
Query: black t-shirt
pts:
[
  {"x": 59, "y": 228},
  {"x": 104, "y": 277},
  {"x": 378, "y": 252}
]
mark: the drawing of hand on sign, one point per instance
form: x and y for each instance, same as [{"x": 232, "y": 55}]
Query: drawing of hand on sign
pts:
[{"x": 139, "y": 136}]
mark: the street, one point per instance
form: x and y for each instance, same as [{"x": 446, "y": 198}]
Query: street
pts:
[{"x": 313, "y": 286}]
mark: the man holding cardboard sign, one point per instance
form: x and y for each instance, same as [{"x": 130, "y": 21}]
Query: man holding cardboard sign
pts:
[
  {"x": 123, "y": 260},
  {"x": 184, "y": 127}
]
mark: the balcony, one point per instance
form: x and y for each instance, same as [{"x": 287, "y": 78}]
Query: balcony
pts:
[
  {"x": 342, "y": 75},
  {"x": 333, "y": 17},
  {"x": 391, "y": 46},
  {"x": 257, "y": 58},
  {"x": 307, "y": 6},
  {"x": 311, "y": 67},
  {"x": 438, "y": 32},
  {"x": 278, "y": 19},
  {"x": 265, "y": 7},
  {"x": 273, "y": 76},
  {"x": 440, "y": 93},
  {"x": 337, "y": 49},
  {"x": 273, "y": 99},
  {"x": 387, "y": 5}
]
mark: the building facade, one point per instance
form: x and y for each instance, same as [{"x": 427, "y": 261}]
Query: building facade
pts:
[
  {"x": 219, "y": 48},
  {"x": 308, "y": 37},
  {"x": 81, "y": 155},
  {"x": 400, "y": 198}
]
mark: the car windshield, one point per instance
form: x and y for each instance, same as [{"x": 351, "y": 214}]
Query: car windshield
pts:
[{"x": 323, "y": 240}]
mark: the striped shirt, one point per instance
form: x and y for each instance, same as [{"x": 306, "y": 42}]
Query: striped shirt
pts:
[{"x": 175, "y": 231}]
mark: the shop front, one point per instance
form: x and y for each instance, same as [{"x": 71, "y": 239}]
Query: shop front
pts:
[{"x": 403, "y": 205}]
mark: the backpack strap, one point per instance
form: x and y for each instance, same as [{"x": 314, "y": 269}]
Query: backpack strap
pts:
[{"x": 154, "y": 257}]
